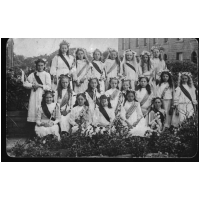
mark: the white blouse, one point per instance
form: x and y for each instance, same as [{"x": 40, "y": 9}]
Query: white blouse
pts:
[{"x": 160, "y": 89}]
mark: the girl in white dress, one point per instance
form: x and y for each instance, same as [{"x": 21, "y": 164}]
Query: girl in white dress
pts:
[
  {"x": 184, "y": 99},
  {"x": 158, "y": 64},
  {"x": 66, "y": 98},
  {"x": 80, "y": 116},
  {"x": 144, "y": 96},
  {"x": 48, "y": 116},
  {"x": 99, "y": 69},
  {"x": 132, "y": 115},
  {"x": 113, "y": 92},
  {"x": 165, "y": 90},
  {"x": 130, "y": 67},
  {"x": 38, "y": 82},
  {"x": 83, "y": 71},
  {"x": 63, "y": 63},
  {"x": 126, "y": 85},
  {"x": 112, "y": 66},
  {"x": 105, "y": 114}
]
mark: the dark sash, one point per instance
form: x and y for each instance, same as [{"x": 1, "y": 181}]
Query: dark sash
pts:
[
  {"x": 187, "y": 94},
  {"x": 91, "y": 94},
  {"x": 65, "y": 61},
  {"x": 46, "y": 112},
  {"x": 104, "y": 113},
  {"x": 131, "y": 66},
  {"x": 162, "y": 117},
  {"x": 37, "y": 78},
  {"x": 96, "y": 67}
]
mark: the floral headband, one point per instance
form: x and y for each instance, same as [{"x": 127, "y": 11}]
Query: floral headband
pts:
[
  {"x": 129, "y": 50},
  {"x": 185, "y": 73},
  {"x": 114, "y": 78},
  {"x": 165, "y": 71},
  {"x": 145, "y": 52},
  {"x": 142, "y": 76},
  {"x": 131, "y": 90},
  {"x": 158, "y": 47},
  {"x": 48, "y": 91},
  {"x": 92, "y": 77},
  {"x": 65, "y": 75},
  {"x": 43, "y": 60},
  {"x": 64, "y": 43}
]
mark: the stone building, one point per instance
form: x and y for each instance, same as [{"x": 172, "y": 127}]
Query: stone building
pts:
[{"x": 174, "y": 48}]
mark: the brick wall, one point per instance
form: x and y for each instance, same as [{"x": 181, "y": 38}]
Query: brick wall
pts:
[{"x": 172, "y": 46}]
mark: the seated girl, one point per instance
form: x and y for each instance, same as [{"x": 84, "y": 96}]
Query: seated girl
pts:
[
  {"x": 80, "y": 117},
  {"x": 48, "y": 116},
  {"x": 105, "y": 114},
  {"x": 157, "y": 116},
  {"x": 66, "y": 98},
  {"x": 132, "y": 115}
]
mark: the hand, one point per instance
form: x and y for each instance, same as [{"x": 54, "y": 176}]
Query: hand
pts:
[
  {"x": 65, "y": 112},
  {"x": 134, "y": 124},
  {"x": 82, "y": 80},
  {"x": 46, "y": 125}
]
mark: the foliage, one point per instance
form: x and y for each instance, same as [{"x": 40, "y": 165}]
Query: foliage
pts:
[{"x": 175, "y": 142}]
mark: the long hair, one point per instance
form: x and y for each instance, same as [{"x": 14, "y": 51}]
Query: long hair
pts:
[
  {"x": 128, "y": 92},
  {"x": 59, "y": 88},
  {"x": 123, "y": 82},
  {"x": 148, "y": 87},
  {"x": 153, "y": 102},
  {"x": 84, "y": 57},
  {"x": 90, "y": 88},
  {"x": 60, "y": 52},
  {"x": 84, "y": 96},
  {"x": 170, "y": 81},
  {"x": 100, "y": 54},
  {"x": 108, "y": 99},
  {"x": 116, "y": 59},
  {"x": 190, "y": 81},
  {"x": 148, "y": 63},
  {"x": 43, "y": 102},
  {"x": 109, "y": 87}
]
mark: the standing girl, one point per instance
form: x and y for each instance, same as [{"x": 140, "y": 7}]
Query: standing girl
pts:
[
  {"x": 38, "y": 82},
  {"x": 144, "y": 96},
  {"x": 130, "y": 67},
  {"x": 48, "y": 116},
  {"x": 184, "y": 99},
  {"x": 83, "y": 71},
  {"x": 66, "y": 99},
  {"x": 80, "y": 116},
  {"x": 112, "y": 66},
  {"x": 99, "y": 69},
  {"x": 63, "y": 63},
  {"x": 165, "y": 91}
]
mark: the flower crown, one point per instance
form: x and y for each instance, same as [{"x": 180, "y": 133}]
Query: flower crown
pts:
[
  {"x": 124, "y": 78},
  {"x": 41, "y": 60},
  {"x": 114, "y": 78},
  {"x": 165, "y": 70},
  {"x": 64, "y": 43},
  {"x": 145, "y": 52},
  {"x": 129, "y": 50},
  {"x": 131, "y": 90},
  {"x": 92, "y": 77},
  {"x": 185, "y": 73},
  {"x": 65, "y": 75},
  {"x": 159, "y": 47},
  {"x": 48, "y": 91}
]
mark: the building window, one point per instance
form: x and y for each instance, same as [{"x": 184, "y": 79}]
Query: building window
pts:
[
  {"x": 137, "y": 42},
  {"x": 194, "y": 57},
  {"x": 165, "y": 57},
  {"x": 179, "y": 56},
  {"x": 165, "y": 40},
  {"x": 179, "y": 39},
  {"x": 129, "y": 43},
  {"x": 154, "y": 40},
  {"x": 145, "y": 41},
  {"x": 123, "y": 43}
]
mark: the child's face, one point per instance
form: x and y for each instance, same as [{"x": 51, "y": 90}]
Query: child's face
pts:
[
  {"x": 104, "y": 102},
  {"x": 126, "y": 85},
  {"x": 113, "y": 84},
  {"x": 146, "y": 58},
  {"x": 93, "y": 83},
  {"x": 129, "y": 56},
  {"x": 113, "y": 55},
  {"x": 184, "y": 79},
  {"x": 80, "y": 55},
  {"x": 157, "y": 103},
  {"x": 81, "y": 100},
  {"x": 40, "y": 67},
  {"x": 65, "y": 83},
  {"x": 156, "y": 53},
  {"x": 97, "y": 55},
  {"x": 64, "y": 48},
  {"x": 165, "y": 77},
  {"x": 130, "y": 97},
  {"x": 49, "y": 99},
  {"x": 143, "y": 82}
]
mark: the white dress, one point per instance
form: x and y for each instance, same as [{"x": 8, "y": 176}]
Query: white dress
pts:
[
  {"x": 141, "y": 128},
  {"x": 139, "y": 96},
  {"x": 167, "y": 101},
  {"x": 114, "y": 101},
  {"x": 98, "y": 75},
  {"x": 130, "y": 73},
  {"x": 185, "y": 106},
  {"x": 64, "y": 121},
  {"x": 42, "y": 131},
  {"x": 59, "y": 67},
  {"x": 83, "y": 87},
  {"x": 157, "y": 66},
  {"x": 36, "y": 96}
]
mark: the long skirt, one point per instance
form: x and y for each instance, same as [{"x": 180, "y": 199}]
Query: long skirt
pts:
[
  {"x": 42, "y": 131},
  {"x": 167, "y": 105},
  {"x": 64, "y": 123}
]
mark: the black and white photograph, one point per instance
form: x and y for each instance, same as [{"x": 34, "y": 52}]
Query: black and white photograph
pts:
[{"x": 102, "y": 98}]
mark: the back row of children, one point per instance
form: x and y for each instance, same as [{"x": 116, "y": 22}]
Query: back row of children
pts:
[{"x": 142, "y": 94}]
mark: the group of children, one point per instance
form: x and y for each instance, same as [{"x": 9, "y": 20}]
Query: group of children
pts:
[{"x": 79, "y": 93}]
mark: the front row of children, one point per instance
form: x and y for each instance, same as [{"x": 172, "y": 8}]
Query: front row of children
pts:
[{"x": 141, "y": 110}]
